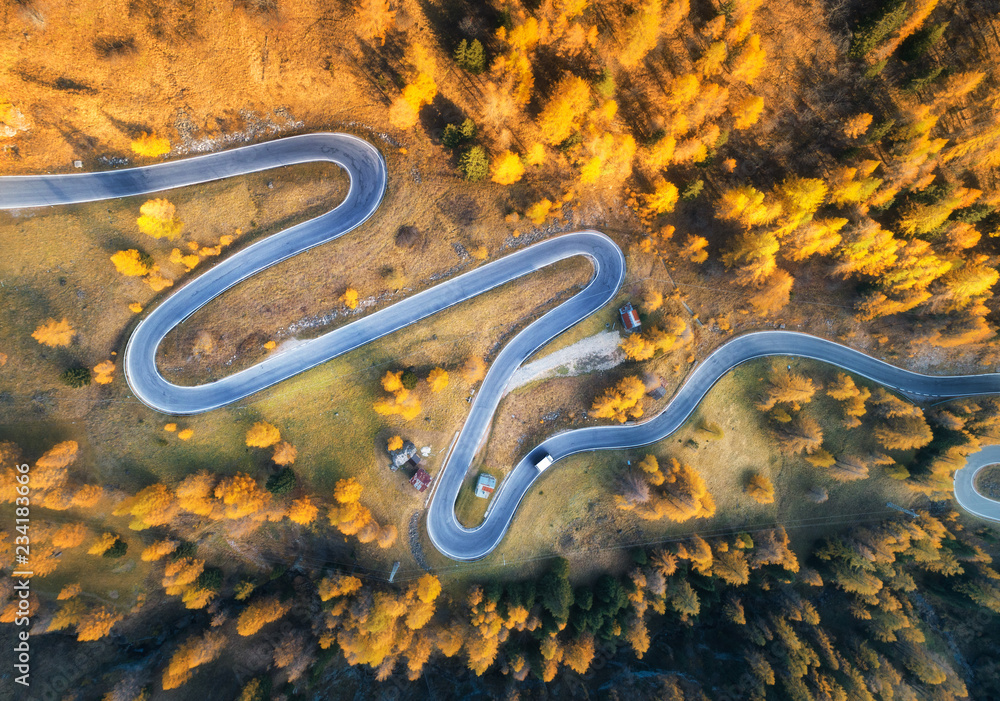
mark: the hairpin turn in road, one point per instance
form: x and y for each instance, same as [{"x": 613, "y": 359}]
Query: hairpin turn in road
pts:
[{"x": 368, "y": 178}]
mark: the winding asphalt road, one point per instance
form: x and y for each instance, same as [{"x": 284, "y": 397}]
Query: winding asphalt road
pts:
[{"x": 367, "y": 171}]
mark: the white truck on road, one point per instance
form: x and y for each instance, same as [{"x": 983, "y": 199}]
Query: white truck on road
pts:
[{"x": 544, "y": 462}]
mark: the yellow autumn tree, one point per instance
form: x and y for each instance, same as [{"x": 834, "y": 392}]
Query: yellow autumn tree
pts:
[
  {"x": 350, "y": 298},
  {"x": 395, "y": 443},
  {"x": 156, "y": 505},
  {"x": 158, "y": 550},
  {"x": 50, "y": 469},
  {"x": 87, "y": 496},
  {"x": 751, "y": 255},
  {"x": 303, "y": 511},
  {"x": 747, "y": 206},
  {"x": 195, "y": 494},
  {"x": 402, "y": 402},
  {"x": 746, "y": 113},
  {"x": 54, "y": 333},
  {"x": 104, "y": 372},
  {"x": 695, "y": 248},
  {"x": 774, "y": 294},
  {"x": 347, "y": 491},
  {"x": 158, "y": 218},
  {"x": 473, "y": 370},
  {"x": 405, "y": 110},
  {"x": 428, "y": 588},
  {"x": 565, "y": 110},
  {"x": 259, "y": 613},
  {"x": 508, "y": 168},
  {"x": 157, "y": 281},
  {"x": 262, "y": 435},
  {"x": 749, "y": 61},
  {"x": 374, "y": 18},
  {"x": 349, "y": 515},
  {"x": 760, "y": 489},
  {"x": 788, "y": 388},
  {"x": 857, "y": 125},
  {"x": 341, "y": 585},
  {"x": 644, "y": 27},
  {"x": 284, "y": 453},
  {"x": 179, "y": 575},
  {"x": 620, "y": 402},
  {"x": 712, "y": 60},
  {"x": 636, "y": 347},
  {"x": 193, "y": 652},
  {"x": 150, "y": 145},
  {"x": 535, "y": 155},
  {"x": 70, "y": 535},
  {"x": 539, "y": 211},
  {"x": 69, "y": 614},
  {"x": 677, "y": 492},
  {"x": 663, "y": 198},
  {"x": 387, "y": 536},
  {"x": 69, "y": 591},
  {"x": 652, "y": 299},
  {"x": 130, "y": 263},
  {"x": 438, "y": 379},
  {"x": 96, "y": 624},
  {"x": 241, "y": 496},
  {"x": 103, "y": 544}
]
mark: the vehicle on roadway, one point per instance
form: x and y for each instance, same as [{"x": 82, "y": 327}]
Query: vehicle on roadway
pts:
[
  {"x": 545, "y": 461},
  {"x": 368, "y": 174}
]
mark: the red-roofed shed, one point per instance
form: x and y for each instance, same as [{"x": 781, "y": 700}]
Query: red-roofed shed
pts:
[
  {"x": 630, "y": 317},
  {"x": 420, "y": 479}
]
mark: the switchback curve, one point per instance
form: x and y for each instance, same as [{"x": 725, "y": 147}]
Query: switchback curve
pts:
[{"x": 367, "y": 171}]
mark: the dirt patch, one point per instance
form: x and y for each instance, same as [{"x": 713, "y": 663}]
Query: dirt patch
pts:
[{"x": 593, "y": 354}]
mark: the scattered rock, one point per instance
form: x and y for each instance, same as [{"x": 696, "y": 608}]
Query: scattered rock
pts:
[
  {"x": 402, "y": 456},
  {"x": 415, "y": 547}
]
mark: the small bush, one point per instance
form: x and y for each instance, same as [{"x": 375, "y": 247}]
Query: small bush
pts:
[
  {"x": 107, "y": 47},
  {"x": 117, "y": 550},
  {"x": 257, "y": 689},
  {"x": 211, "y": 579},
  {"x": 185, "y": 549},
  {"x": 693, "y": 189},
  {"x": 78, "y": 376},
  {"x": 281, "y": 482},
  {"x": 455, "y": 134},
  {"x": 243, "y": 590},
  {"x": 409, "y": 379}
]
